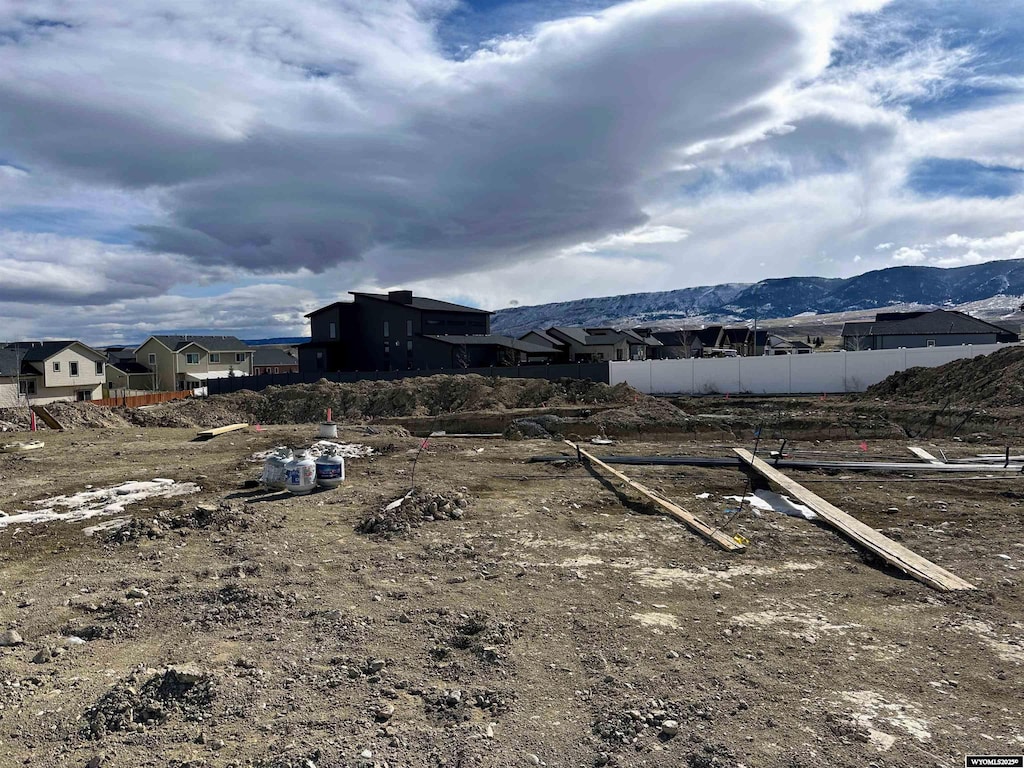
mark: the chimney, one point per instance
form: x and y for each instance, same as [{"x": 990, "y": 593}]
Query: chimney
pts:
[{"x": 400, "y": 297}]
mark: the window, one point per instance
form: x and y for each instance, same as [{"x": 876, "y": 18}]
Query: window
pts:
[
  {"x": 27, "y": 387},
  {"x": 408, "y": 327},
  {"x": 277, "y": 370},
  {"x": 931, "y": 342},
  {"x": 215, "y": 357},
  {"x": 99, "y": 367},
  {"x": 192, "y": 358},
  {"x": 83, "y": 394},
  {"x": 408, "y": 346},
  {"x": 152, "y": 359},
  {"x": 73, "y": 365},
  {"x": 56, "y": 366},
  {"x": 239, "y": 357},
  {"x": 387, "y": 329},
  {"x": 332, "y": 331}
]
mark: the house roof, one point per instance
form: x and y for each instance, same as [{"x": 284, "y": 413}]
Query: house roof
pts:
[
  {"x": 10, "y": 362},
  {"x": 209, "y": 343},
  {"x": 264, "y": 356},
  {"x": 129, "y": 366},
  {"x": 939, "y": 321},
  {"x": 599, "y": 336},
  {"x": 40, "y": 351},
  {"x": 493, "y": 340},
  {"x": 420, "y": 302},
  {"x": 779, "y": 341},
  {"x": 550, "y": 340}
]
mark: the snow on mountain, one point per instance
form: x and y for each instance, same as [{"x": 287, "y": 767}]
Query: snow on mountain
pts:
[{"x": 991, "y": 289}]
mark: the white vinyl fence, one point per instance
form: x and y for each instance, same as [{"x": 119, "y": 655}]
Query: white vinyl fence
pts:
[{"x": 816, "y": 373}]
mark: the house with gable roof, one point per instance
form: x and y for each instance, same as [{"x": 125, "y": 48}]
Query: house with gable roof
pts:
[{"x": 188, "y": 362}]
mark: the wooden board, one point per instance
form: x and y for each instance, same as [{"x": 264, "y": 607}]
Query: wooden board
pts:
[
  {"x": 893, "y": 553},
  {"x": 723, "y": 540},
  {"x": 921, "y": 453},
  {"x": 206, "y": 434},
  {"x": 47, "y": 417}
]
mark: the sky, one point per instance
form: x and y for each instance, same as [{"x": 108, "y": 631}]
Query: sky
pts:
[{"x": 226, "y": 167}]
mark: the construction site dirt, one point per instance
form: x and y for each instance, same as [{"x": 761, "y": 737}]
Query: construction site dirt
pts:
[{"x": 160, "y": 609}]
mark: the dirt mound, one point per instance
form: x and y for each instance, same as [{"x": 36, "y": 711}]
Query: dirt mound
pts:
[
  {"x": 70, "y": 416},
  {"x": 363, "y": 400},
  {"x": 130, "y": 705},
  {"x": 994, "y": 380},
  {"x": 412, "y": 511}
]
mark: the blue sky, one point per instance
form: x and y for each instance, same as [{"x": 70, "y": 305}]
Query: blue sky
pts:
[{"x": 230, "y": 167}]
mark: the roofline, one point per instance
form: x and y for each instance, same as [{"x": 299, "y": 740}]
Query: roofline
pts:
[
  {"x": 329, "y": 306},
  {"x": 386, "y": 300}
]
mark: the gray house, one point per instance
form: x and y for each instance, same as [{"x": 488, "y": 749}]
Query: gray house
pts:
[{"x": 935, "y": 328}]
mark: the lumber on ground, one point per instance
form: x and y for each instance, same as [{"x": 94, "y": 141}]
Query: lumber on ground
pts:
[
  {"x": 893, "y": 553},
  {"x": 846, "y": 466},
  {"x": 206, "y": 434},
  {"x": 921, "y": 453},
  {"x": 47, "y": 417},
  {"x": 723, "y": 540}
]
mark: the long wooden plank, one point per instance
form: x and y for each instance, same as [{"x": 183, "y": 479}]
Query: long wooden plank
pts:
[
  {"x": 47, "y": 417},
  {"x": 921, "y": 453},
  {"x": 893, "y": 553},
  {"x": 723, "y": 540},
  {"x": 206, "y": 434}
]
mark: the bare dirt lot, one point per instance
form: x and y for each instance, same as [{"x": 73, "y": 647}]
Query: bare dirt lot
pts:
[{"x": 541, "y": 617}]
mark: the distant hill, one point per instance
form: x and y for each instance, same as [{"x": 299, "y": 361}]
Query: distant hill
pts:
[{"x": 996, "y": 284}]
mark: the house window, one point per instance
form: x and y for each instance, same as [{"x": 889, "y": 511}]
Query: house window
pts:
[
  {"x": 387, "y": 329},
  {"x": 83, "y": 394},
  {"x": 99, "y": 367},
  {"x": 27, "y": 387},
  {"x": 931, "y": 342},
  {"x": 192, "y": 358},
  {"x": 73, "y": 365},
  {"x": 332, "y": 331},
  {"x": 277, "y": 370},
  {"x": 215, "y": 357},
  {"x": 239, "y": 357},
  {"x": 152, "y": 359},
  {"x": 56, "y": 366},
  {"x": 408, "y": 327}
]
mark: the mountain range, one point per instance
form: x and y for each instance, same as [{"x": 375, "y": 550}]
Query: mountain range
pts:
[{"x": 1001, "y": 282}]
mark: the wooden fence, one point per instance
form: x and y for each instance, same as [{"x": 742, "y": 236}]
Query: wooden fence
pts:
[{"x": 134, "y": 401}]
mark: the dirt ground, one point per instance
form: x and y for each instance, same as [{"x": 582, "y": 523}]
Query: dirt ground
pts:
[{"x": 552, "y": 620}]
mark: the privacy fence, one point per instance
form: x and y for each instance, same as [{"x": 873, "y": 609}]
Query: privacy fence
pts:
[
  {"x": 784, "y": 374},
  {"x": 593, "y": 371}
]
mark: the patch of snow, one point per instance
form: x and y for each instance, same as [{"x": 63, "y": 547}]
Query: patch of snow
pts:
[{"x": 101, "y": 501}]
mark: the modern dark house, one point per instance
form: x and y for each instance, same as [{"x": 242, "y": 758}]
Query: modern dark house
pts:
[
  {"x": 398, "y": 331},
  {"x": 935, "y": 328}
]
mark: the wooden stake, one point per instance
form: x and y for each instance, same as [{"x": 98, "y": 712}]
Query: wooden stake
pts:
[
  {"x": 895, "y": 554},
  {"x": 723, "y": 540}
]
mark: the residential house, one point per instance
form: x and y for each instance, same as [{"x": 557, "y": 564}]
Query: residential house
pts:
[
  {"x": 10, "y": 377},
  {"x": 685, "y": 343},
  {"x": 588, "y": 345},
  {"x": 483, "y": 351},
  {"x": 744, "y": 340},
  {"x": 125, "y": 374},
  {"x": 188, "y": 362},
  {"x": 386, "y": 332},
  {"x": 935, "y": 328},
  {"x": 266, "y": 359},
  {"x": 776, "y": 345},
  {"x": 57, "y": 370}
]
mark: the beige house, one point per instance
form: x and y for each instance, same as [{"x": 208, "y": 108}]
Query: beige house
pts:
[
  {"x": 188, "y": 362},
  {"x": 49, "y": 371}
]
